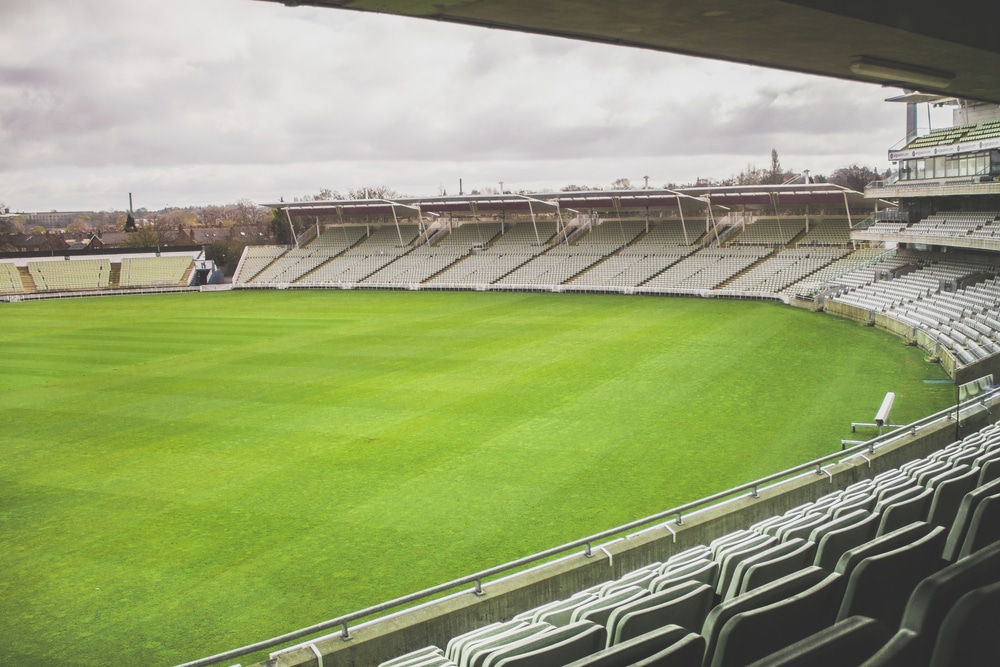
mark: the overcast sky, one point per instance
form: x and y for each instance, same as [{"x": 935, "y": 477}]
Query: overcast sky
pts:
[{"x": 192, "y": 102}]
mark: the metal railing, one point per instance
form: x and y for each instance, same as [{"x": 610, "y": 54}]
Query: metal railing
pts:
[
  {"x": 675, "y": 514},
  {"x": 38, "y": 296}
]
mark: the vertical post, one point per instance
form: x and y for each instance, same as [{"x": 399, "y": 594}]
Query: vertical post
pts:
[
  {"x": 288, "y": 215},
  {"x": 710, "y": 216},
  {"x": 396, "y": 218},
  {"x": 680, "y": 209},
  {"x": 847, "y": 207},
  {"x": 531, "y": 210}
]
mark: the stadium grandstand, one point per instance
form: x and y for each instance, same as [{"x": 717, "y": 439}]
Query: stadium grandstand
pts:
[
  {"x": 884, "y": 553},
  {"x": 876, "y": 555},
  {"x": 43, "y": 275},
  {"x": 634, "y": 241}
]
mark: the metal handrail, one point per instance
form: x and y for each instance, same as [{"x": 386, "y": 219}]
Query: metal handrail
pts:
[{"x": 677, "y": 513}]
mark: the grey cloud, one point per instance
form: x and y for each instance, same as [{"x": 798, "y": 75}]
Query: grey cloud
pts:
[{"x": 228, "y": 87}]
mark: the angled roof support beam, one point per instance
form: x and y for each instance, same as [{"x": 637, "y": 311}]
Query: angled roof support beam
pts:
[
  {"x": 398, "y": 232},
  {"x": 774, "y": 204},
  {"x": 680, "y": 209},
  {"x": 531, "y": 210},
  {"x": 291, "y": 227}
]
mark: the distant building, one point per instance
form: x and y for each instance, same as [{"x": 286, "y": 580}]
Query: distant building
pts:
[
  {"x": 108, "y": 239},
  {"x": 53, "y": 218},
  {"x": 206, "y": 235},
  {"x": 37, "y": 242}
]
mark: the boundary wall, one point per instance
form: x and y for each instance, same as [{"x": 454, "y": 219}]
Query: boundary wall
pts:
[{"x": 918, "y": 337}]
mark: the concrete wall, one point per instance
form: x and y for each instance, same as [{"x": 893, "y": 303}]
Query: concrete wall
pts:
[
  {"x": 850, "y": 312},
  {"x": 436, "y": 622},
  {"x": 901, "y": 329}
]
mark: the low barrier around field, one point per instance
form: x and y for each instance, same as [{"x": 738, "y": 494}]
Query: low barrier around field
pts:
[
  {"x": 362, "y": 638},
  {"x": 526, "y": 287},
  {"x": 39, "y": 296}
]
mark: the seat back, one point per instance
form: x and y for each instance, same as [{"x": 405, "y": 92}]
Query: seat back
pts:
[
  {"x": 887, "y": 542},
  {"x": 968, "y": 635},
  {"x": 803, "y": 527},
  {"x": 495, "y": 653},
  {"x": 943, "y": 475},
  {"x": 835, "y": 543},
  {"x": 948, "y": 495},
  {"x": 989, "y": 471},
  {"x": 930, "y": 603},
  {"x": 635, "y": 649},
  {"x": 539, "y": 652},
  {"x": 706, "y": 572},
  {"x": 897, "y": 496},
  {"x": 764, "y": 573},
  {"x": 560, "y": 613},
  {"x": 755, "y": 633},
  {"x": 772, "y": 552},
  {"x": 694, "y": 553},
  {"x": 831, "y": 524},
  {"x": 862, "y": 500},
  {"x": 847, "y": 642},
  {"x": 905, "y": 512},
  {"x": 412, "y": 657},
  {"x": 880, "y": 585},
  {"x": 646, "y": 602},
  {"x": 687, "y": 652},
  {"x": 455, "y": 646},
  {"x": 773, "y": 592},
  {"x": 731, "y": 558},
  {"x": 688, "y": 610},
  {"x": 475, "y": 653},
  {"x": 597, "y": 611},
  {"x": 984, "y": 528},
  {"x": 966, "y": 509}
]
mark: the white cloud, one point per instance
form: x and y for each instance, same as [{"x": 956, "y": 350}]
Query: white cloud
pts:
[{"x": 191, "y": 102}]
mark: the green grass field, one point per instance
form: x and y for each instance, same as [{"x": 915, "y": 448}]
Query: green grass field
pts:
[{"x": 185, "y": 474}]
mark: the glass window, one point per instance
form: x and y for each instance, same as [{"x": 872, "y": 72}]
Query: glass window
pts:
[
  {"x": 951, "y": 166},
  {"x": 938, "y": 168},
  {"x": 920, "y": 169}
]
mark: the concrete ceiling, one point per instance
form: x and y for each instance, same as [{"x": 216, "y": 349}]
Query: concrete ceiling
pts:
[{"x": 949, "y": 48}]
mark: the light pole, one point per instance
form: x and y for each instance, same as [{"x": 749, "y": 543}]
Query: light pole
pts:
[
  {"x": 647, "y": 182},
  {"x": 501, "y": 187}
]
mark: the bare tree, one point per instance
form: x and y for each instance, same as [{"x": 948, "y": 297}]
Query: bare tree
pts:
[
  {"x": 373, "y": 192},
  {"x": 854, "y": 177},
  {"x": 621, "y": 184},
  {"x": 775, "y": 176}
]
